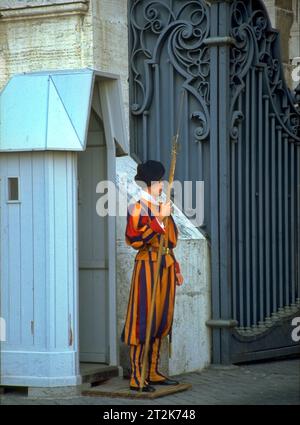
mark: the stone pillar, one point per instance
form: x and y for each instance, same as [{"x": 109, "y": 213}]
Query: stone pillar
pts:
[
  {"x": 295, "y": 42},
  {"x": 110, "y": 41},
  {"x": 282, "y": 17}
]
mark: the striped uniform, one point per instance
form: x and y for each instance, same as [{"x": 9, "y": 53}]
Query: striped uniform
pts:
[{"x": 142, "y": 231}]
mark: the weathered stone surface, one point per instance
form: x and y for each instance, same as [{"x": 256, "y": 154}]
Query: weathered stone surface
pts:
[
  {"x": 282, "y": 15},
  {"x": 110, "y": 41},
  {"x": 39, "y": 44},
  {"x": 18, "y": 4}
]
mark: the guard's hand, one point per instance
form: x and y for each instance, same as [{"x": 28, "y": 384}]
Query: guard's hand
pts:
[
  {"x": 179, "y": 279},
  {"x": 165, "y": 210}
]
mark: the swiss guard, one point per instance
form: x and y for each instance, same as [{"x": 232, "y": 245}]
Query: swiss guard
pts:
[{"x": 143, "y": 232}]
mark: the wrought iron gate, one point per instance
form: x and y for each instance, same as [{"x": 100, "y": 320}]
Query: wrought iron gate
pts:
[{"x": 241, "y": 135}]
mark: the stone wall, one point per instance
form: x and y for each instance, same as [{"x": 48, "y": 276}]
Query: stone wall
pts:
[
  {"x": 295, "y": 42},
  {"x": 46, "y": 35},
  {"x": 110, "y": 41},
  {"x": 284, "y": 15}
]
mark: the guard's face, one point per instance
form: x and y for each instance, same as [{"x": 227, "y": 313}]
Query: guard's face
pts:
[{"x": 156, "y": 188}]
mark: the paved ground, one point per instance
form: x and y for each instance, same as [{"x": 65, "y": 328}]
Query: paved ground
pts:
[{"x": 276, "y": 382}]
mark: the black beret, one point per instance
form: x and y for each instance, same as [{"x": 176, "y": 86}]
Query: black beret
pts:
[{"x": 149, "y": 171}]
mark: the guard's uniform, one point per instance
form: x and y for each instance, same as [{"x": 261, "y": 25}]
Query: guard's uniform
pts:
[{"x": 143, "y": 232}]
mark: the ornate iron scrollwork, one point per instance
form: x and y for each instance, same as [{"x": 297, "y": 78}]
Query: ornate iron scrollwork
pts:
[
  {"x": 257, "y": 44},
  {"x": 181, "y": 26}
]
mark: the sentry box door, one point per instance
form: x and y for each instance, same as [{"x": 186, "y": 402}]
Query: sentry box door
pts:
[{"x": 93, "y": 252}]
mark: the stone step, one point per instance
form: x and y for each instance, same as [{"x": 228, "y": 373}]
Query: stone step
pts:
[{"x": 94, "y": 373}]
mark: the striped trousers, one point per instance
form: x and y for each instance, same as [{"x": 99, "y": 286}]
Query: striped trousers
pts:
[{"x": 136, "y": 361}]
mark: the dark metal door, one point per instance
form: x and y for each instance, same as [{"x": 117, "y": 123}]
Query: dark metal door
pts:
[
  {"x": 241, "y": 136},
  {"x": 264, "y": 189}
]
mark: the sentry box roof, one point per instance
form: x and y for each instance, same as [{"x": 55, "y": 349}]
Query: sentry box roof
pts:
[{"x": 50, "y": 110}]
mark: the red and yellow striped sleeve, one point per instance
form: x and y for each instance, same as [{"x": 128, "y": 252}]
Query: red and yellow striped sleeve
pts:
[{"x": 141, "y": 228}]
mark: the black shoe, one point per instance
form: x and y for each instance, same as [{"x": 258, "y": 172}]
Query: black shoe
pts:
[
  {"x": 166, "y": 381},
  {"x": 146, "y": 388}
]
